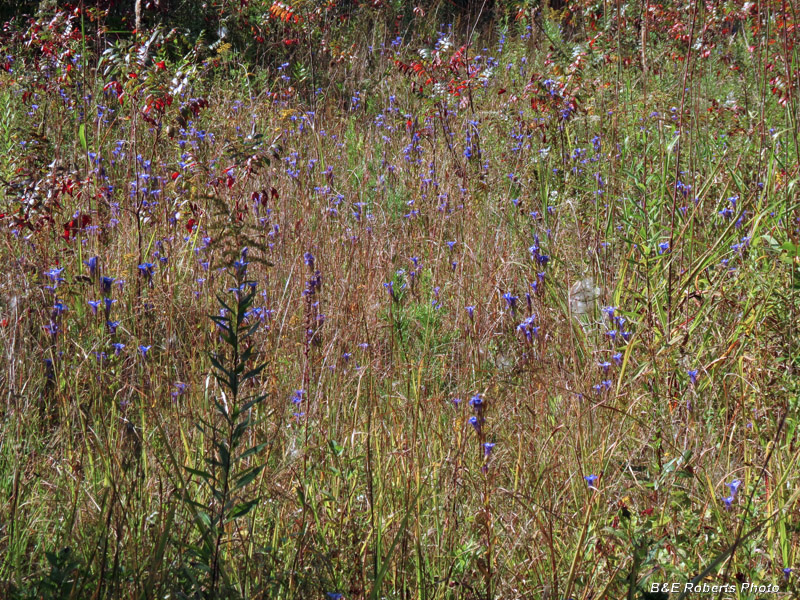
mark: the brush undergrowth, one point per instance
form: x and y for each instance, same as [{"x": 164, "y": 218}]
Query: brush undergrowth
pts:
[{"x": 526, "y": 295}]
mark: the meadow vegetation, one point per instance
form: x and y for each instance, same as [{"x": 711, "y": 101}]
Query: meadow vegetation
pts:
[{"x": 429, "y": 301}]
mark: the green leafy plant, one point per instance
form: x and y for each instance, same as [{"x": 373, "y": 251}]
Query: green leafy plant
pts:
[{"x": 229, "y": 468}]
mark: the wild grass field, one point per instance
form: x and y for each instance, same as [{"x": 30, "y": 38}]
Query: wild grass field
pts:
[{"x": 435, "y": 301}]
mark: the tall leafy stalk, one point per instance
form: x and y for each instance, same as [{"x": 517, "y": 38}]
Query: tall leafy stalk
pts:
[{"x": 229, "y": 467}]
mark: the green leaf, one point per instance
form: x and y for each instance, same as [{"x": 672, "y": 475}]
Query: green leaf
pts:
[
  {"x": 242, "y": 509},
  {"x": 336, "y": 448},
  {"x": 771, "y": 242},
  {"x": 221, "y": 408},
  {"x": 250, "y": 403},
  {"x": 253, "y": 328},
  {"x": 240, "y": 429},
  {"x": 248, "y": 477},
  {"x": 376, "y": 586},
  {"x": 245, "y": 356},
  {"x": 224, "y": 456},
  {"x": 251, "y": 451},
  {"x": 204, "y": 518},
  {"x": 82, "y": 137},
  {"x": 228, "y": 309},
  {"x": 204, "y": 474},
  {"x": 218, "y": 365},
  {"x": 254, "y": 372},
  {"x": 221, "y": 321}
]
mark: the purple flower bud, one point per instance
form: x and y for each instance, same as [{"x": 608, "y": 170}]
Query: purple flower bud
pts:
[
  {"x": 476, "y": 423},
  {"x": 733, "y": 486},
  {"x": 92, "y": 264}
]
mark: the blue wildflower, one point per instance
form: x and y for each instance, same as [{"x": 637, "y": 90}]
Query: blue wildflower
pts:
[
  {"x": 92, "y": 264},
  {"x": 105, "y": 285},
  {"x": 147, "y": 271},
  {"x": 476, "y": 423},
  {"x": 476, "y": 401},
  {"x": 55, "y": 275},
  {"x": 527, "y": 327},
  {"x": 241, "y": 267},
  {"x": 511, "y": 300}
]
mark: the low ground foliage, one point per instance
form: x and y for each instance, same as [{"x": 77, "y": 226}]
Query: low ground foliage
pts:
[{"x": 502, "y": 308}]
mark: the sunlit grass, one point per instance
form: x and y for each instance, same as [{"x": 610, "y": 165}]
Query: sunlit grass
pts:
[{"x": 620, "y": 327}]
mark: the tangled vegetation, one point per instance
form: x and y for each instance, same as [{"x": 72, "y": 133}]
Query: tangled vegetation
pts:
[{"x": 362, "y": 300}]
